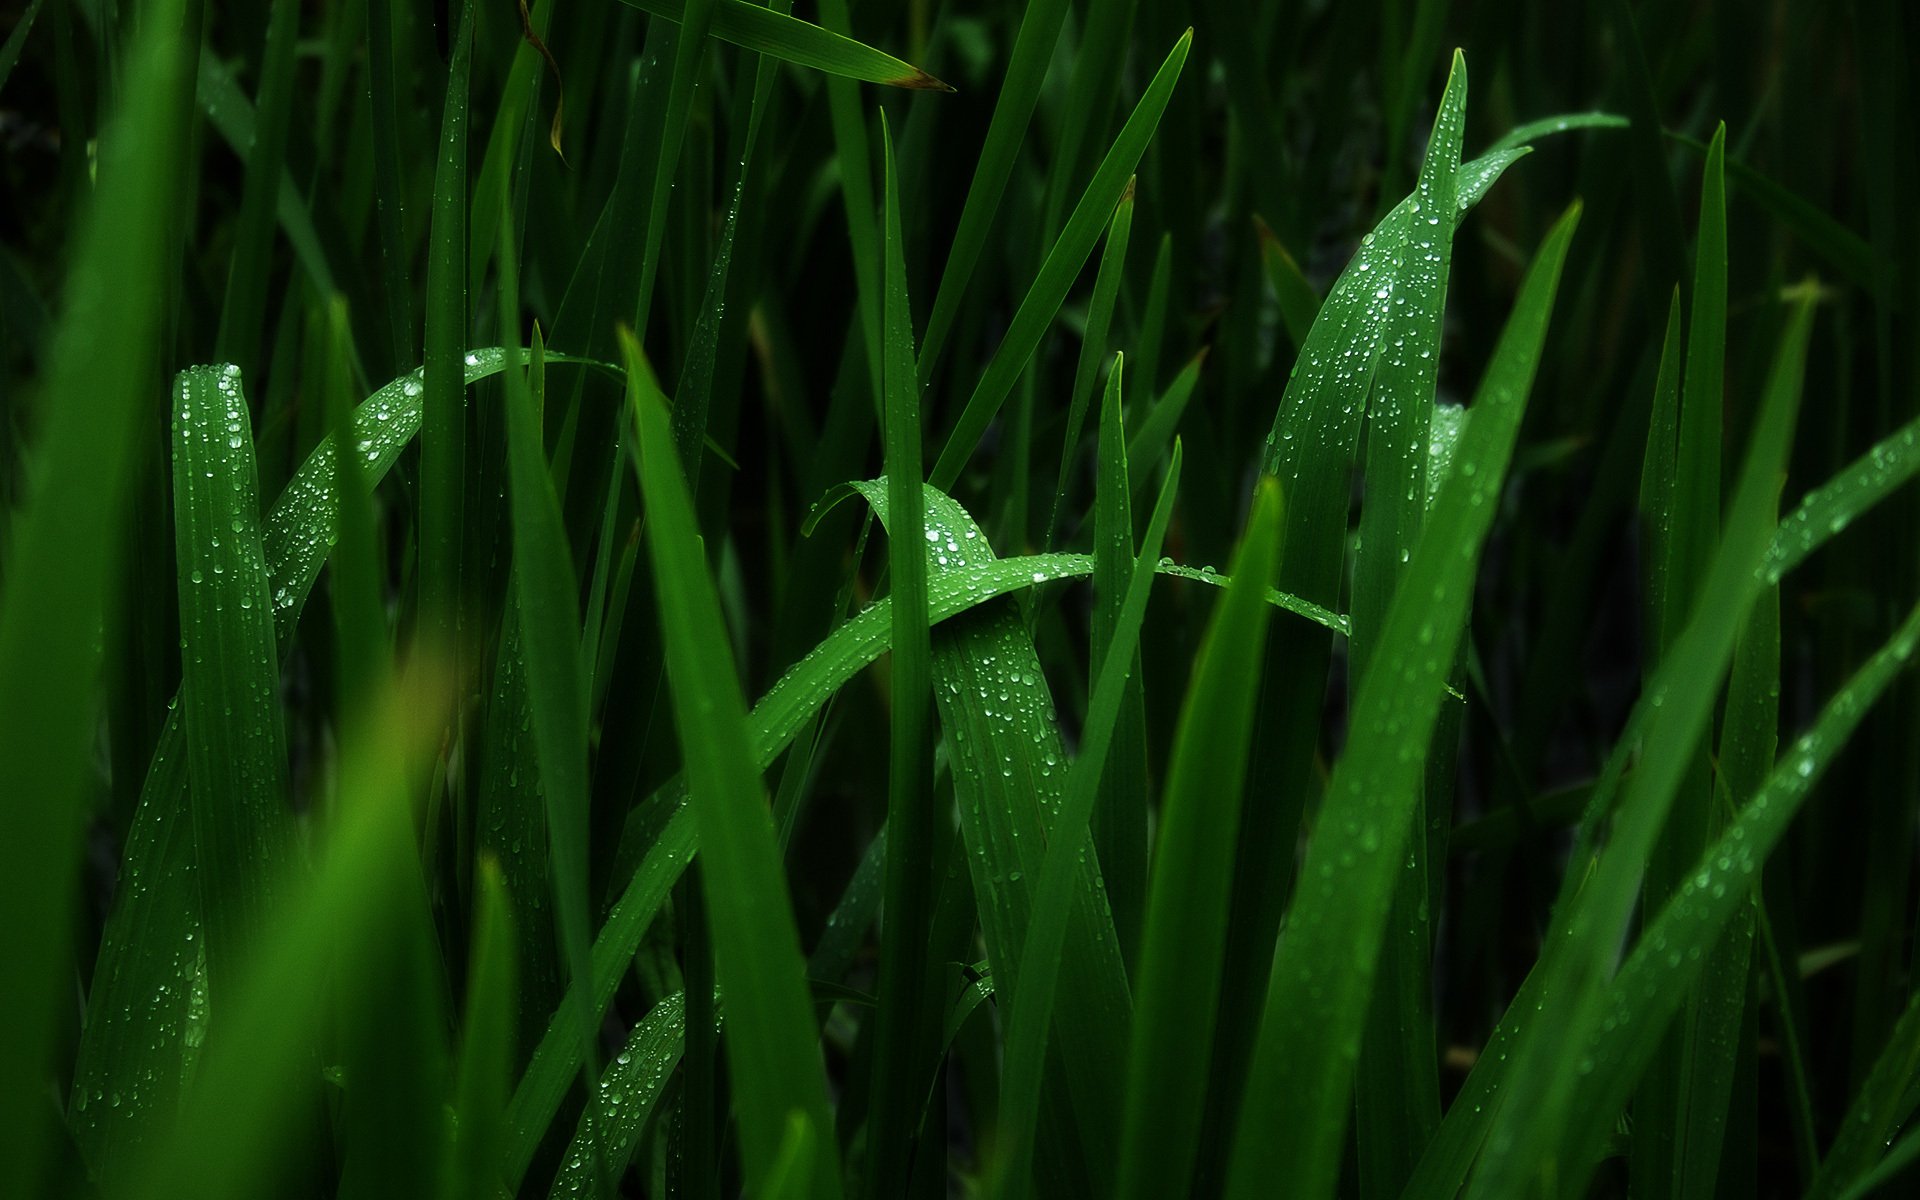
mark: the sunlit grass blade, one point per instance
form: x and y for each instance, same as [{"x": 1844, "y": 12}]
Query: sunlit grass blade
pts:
[
  {"x": 1058, "y": 272},
  {"x": 230, "y": 673},
  {"x": 772, "y": 1052},
  {"x": 1012, "y": 113},
  {"x": 1187, "y": 904},
  {"x": 1290, "y": 1128},
  {"x": 476, "y": 1133},
  {"x": 62, "y": 554},
  {"x": 906, "y": 1009},
  {"x": 754, "y": 27},
  {"x": 1673, "y": 713},
  {"x": 1065, "y": 856}
]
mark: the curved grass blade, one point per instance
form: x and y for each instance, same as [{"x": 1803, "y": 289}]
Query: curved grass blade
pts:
[
  {"x": 1192, "y": 873},
  {"x": 1290, "y": 1123},
  {"x": 1828, "y": 509},
  {"x": 1883, "y": 1104},
  {"x": 904, "y": 1018},
  {"x": 1299, "y": 302},
  {"x": 753, "y": 27},
  {"x": 772, "y": 1052},
  {"x": 230, "y": 676},
  {"x": 1027, "y": 63},
  {"x": 629, "y": 1091},
  {"x": 62, "y": 558},
  {"x": 1526, "y": 1132},
  {"x": 1155, "y": 433},
  {"x": 1058, "y": 272},
  {"x": 1843, "y": 249},
  {"x": 255, "y": 1084},
  {"x": 1045, "y": 938},
  {"x": 1677, "y": 948},
  {"x": 16, "y": 39},
  {"x": 135, "y": 1043}
]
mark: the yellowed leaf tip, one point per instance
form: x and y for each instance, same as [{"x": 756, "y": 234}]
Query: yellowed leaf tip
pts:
[{"x": 921, "y": 81}]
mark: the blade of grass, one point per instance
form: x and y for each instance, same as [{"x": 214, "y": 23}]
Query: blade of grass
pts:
[
  {"x": 1526, "y": 1129},
  {"x": 62, "y": 556},
  {"x": 477, "y": 1126},
  {"x": 767, "y": 31},
  {"x": 629, "y": 1092},
  {"x": 443, "y": 429},
  {"x": 244, "y": 305},
  {"x": 16, "y": 39},
  {"x": 237, "y": 757},
  {"x": 1290, "y": 1123},
  {"x": 904, "y": 1017},
  {"x": 1093, "y": 348},
  {"x": 1041, "y": 945},
  {"x": 1155, "y": 433},
  {"x": 1027, "y": 63},
  {"x": 546, "y": 592},
  {"x": 389, "y": 196},
  {"x": 1884, "y": 1102},
  {"x": 1120, "y": 812},
  {"x": 1299, "y": 302},
  {"x": 1058, "y": 273},
  {"x": 772, "y": 1052},
  {"x": 1187, "y": 904}
]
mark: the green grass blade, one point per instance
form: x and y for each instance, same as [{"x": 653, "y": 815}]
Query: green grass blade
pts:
[
  {"x": 1828, "y": 509},
  {"x": 16, "y": 39},
  {"x": 1678, "y": 947},
  {"x": 443, "y": 430},
  {"x": 772, "y": 1052},
  {"x": 546, "y": 593},
  {"x": 476, "y": 1135},
  {"x": 1885, "y": 1101},
  {"x": 389, "y": 194},
  {"x": 1299, "y": 302},
  {"x": 1526, "y": 1133},
  {"x": 1058, "y": 272},
  {"x": 1841, "y": 248},
  {"x": 62, "y": 553},
  {"x": 1290, "y": 1127},
  {"x": 244, "y": 306},
  {"x": 766, "y": 31},
  {"x": 1669, "y": 1093},
  {"x": 629, "y": 1092},
  {"x": 255, "y": 1088},
  {"x": 689, "y": 62},
  {"x": 1120, "y": 814},
  {"x": 1041, "y": 945},
  {"x": 906, "y": 1007},
  {"x": 1012, "y": 113},
  {"x": 1187, "y": 904},
  {"x": 1093, "y": 349},
  {"x": 237, "y": 759},
  {"x": 1150, "y": 441}
]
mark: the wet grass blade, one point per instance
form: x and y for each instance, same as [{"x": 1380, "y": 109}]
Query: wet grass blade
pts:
[
  {"x": 772, "y": 1051},
  {"x": 62, "y": 553},
  {"x": 1187, "y": 904},
  {"x": 629, "y": 1093},
  {"x": 1885, "y": 1100},
  {"x": 753, "y": 27},
  {"x": 906, "y": 1010},
  {"x": 230, "y": 673},
  {"x": 1059, "y": 271},
  {"x": 1525, "y": 1134},
  {"x": 1012, "y": 113},
  {"x": 1827, "y": 510},
  {"x": 1065, "y": 857},
  {"x": 1289, "y": 1127}
]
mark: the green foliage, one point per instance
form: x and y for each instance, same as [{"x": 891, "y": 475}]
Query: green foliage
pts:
[{"x": 454, "y": 741}]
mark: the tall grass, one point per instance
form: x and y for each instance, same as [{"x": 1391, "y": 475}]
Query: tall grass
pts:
[{"x": 694, "y": 598}]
